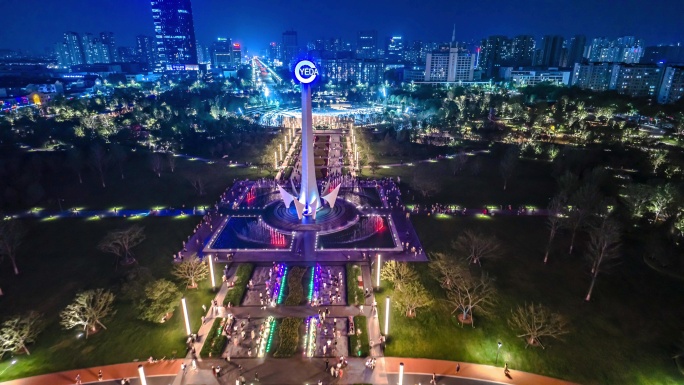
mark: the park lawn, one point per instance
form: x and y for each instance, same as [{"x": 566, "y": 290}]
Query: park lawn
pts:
[
  {"x": 627, "y": 334},
  {"x": 140, "y": 188},
  {"x": 59, "y": 258},
  {"x": 532, "y": 184}
]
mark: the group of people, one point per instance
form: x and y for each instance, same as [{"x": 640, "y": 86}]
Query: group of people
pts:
[{"x": 328, "y": 292}]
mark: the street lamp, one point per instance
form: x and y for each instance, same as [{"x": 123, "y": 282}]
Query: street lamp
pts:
[
  {"x": 185, "y": 314},
  {"x": 377, "y": 272},
  {"x": 401, "y": 373},
  {"x": 387, "y": 311},
  {"x": 211, "y": 272},
  {"x": 141, "y": 373},
  {"x": 499, "y": 344},
  {"x": 8, "y": 366}
]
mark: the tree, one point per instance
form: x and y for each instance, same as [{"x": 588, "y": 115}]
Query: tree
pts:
[
  {"x": 88, "y": 310},
  {"x": 583, "y": 203},
  {"x": 662, "y": 197},
  {"x": 476, "y": 246},
  {"x": 191, "y": 270},
  {"x": 636, "y": 197},
  {"x": 657, "y": 158},
  {"x": 12, "y": 235},
  {"x": 469, "y": 294},
  {"x": 161, "y": 297},
  {"x": 398, "y": 273},
  {"x": 508, "y": 164},
  {"x": 156, "y": 164},
  {"x": 604, "y": 244},
  {"x": 553, "y": 222},
  {"x": 373, "y": 166},
  {"x": 19, "y": 331},
  {"x": 120, "y": 243},
  {"x": 74, "y": 161},
  {"x": 197, "y": 182},
  {"x": 171, "y": 160},
  {"x": 535, "y": 322},
  {"x": 98, "y": 161},
  {"x": 445, "y": 270},
  {"x": 411, "y": 296},
  {"x": 118, "y": 156}
]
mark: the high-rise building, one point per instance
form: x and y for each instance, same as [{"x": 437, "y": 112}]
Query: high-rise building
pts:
[
  {"x": 290, "y": 48},
  {"x": 625, "y": 49},
  {"x": 575, "y": 51},
  {"x": 450, "y": 64},
  {"x": 350, "y": 70},
  {"x": 550, "y": 51},
  {"x": 144, "y": 50},
  {"x": 495, "y": 51},
  {"x": 127, "y": 55},
  {"x": 237, "y": 54},
  {"x": 109, "y": 44},
  {"x": 664, "y": 54},
  {"x": 222, "y": 53},
  {"x": 274, "y": 51},
  {"x": 367, "y": 44},
  {"x": 394, "y": 51},
  {"x": 71, "y": 50},
  {"x": 672, "y": 86},
  {"x": 522, "y": 50},
  {"x": 175, "y": 35},
  {"x": 595, "y": 76},
  {"x": 639, "y": 80},
  {"x": 94, "y": 50}
]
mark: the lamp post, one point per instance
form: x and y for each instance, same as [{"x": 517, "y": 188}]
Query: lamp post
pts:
[
  {"x": 401, "y": 373},
  {"x": 185, "y": 314},
  {"x": 499, "y": 344},
  {"x": 387, "y": 311},
  {"x": 141, "y": 373},
  {"x": 211, "y": 272},
  {"x": 377, "y": 272}
]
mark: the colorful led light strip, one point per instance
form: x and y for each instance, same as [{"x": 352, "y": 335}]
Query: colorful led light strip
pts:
[
  {"x": 311, "y": 336},
  {"x": 266, "y": 338},
  {"x": 282, "y": 285},
  {"x": 311, "y": 283},
  {"x": 270, "y": 336}
]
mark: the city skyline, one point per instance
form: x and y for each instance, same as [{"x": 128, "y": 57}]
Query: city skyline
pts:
[{"x": 655, "y": 22}]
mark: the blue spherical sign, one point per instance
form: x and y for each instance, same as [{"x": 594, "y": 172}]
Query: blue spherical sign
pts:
[{"x": 305, "y": 71}]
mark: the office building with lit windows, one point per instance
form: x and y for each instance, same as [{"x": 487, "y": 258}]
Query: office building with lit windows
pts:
[
  {"x": 672, "y": 86},
  {"x": 175, "y": 35}
]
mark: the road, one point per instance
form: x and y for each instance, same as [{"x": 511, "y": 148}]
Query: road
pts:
[
  {"x": 421, "y": 379},
  {"x": 156, "y": 380}
]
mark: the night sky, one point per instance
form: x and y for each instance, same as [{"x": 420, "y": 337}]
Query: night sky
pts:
[{"x": 35, "y": 25}]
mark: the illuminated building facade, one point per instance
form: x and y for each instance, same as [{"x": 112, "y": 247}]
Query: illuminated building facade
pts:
[
  {"x": 175, "y": 35},
  {"x": 672, "y": 86}
]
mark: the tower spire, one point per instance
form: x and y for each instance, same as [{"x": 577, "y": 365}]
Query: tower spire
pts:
[{"x": 453, "y": 34}]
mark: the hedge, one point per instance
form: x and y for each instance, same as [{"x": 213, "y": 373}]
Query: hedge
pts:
[
  {"x": 355, "y": 294},
  {"x": 211, "y": 343},
  {"x": 295, "y": 289},
  {"x": 288, "y": 337},
  {"x": 362, "y": 340},
  {"x": 242, "y": 276}
]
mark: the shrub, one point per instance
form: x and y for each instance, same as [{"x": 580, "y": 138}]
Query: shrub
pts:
[
  {"x": 358, "y": 344},
  {"x": 211, "y": 341},
  {"x": 288, "y": 337},
  {"x": 242, "y": 276},
  {"x": 295, "y": 293},
  {"x": 355, "y": 294}
]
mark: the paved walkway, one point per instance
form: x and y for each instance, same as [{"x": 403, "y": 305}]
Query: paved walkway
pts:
[{"x": 110, "y": 372}]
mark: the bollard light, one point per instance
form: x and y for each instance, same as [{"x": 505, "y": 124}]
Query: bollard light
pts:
[
  {"x": 401, "y": 373},
  {"x": 387, "y": 311},
  {"x": 185, "y": 314},
  {"x": 141, "y": 373},
  {"x": 377, "y": 268}
]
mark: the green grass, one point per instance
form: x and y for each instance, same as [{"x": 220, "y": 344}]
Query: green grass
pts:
[
  {"x": 627, "y": 334},
  {"x": 60, "y": 259},
  {"x": 235, "y": 294},
  {"x": 295, "y": 287},
  {"x": 355, "y": 294},
  {"x": 362, "y": 340},
  {"x": 288, "y": 337},
  {"x": 140, "y": 188}
]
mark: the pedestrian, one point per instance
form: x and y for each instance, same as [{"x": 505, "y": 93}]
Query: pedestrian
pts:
[
  {"x": 506, "y": 371},
  {"x": 458, "y": 367},
  {"x": 78, "y": 379},
  {"x": 204, "y": 308},
  {"x": 327, "y": 364},
  {"x": 184, "y": 367},
  {"x": 203, "y": 320},
  {"x": 213, "y": 370},
  {"x": 433, "y": 381},
  {"x": 99, "y": 375},
  {"x": 256, "y": 376}
]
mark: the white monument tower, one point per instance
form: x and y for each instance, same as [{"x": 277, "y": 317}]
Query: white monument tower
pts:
[{"x": 309, "y": 201}]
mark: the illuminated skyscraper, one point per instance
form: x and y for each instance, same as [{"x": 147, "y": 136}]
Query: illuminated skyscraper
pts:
[
  {"x": 367, "y": 45},
  {"x": 144, "y": 50},
  {"x": 175, "y": 35},
  {"x": 222, "y": 53},
  {"x": 290, "y": 47},
  {"x": 394, "y": 51}
]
